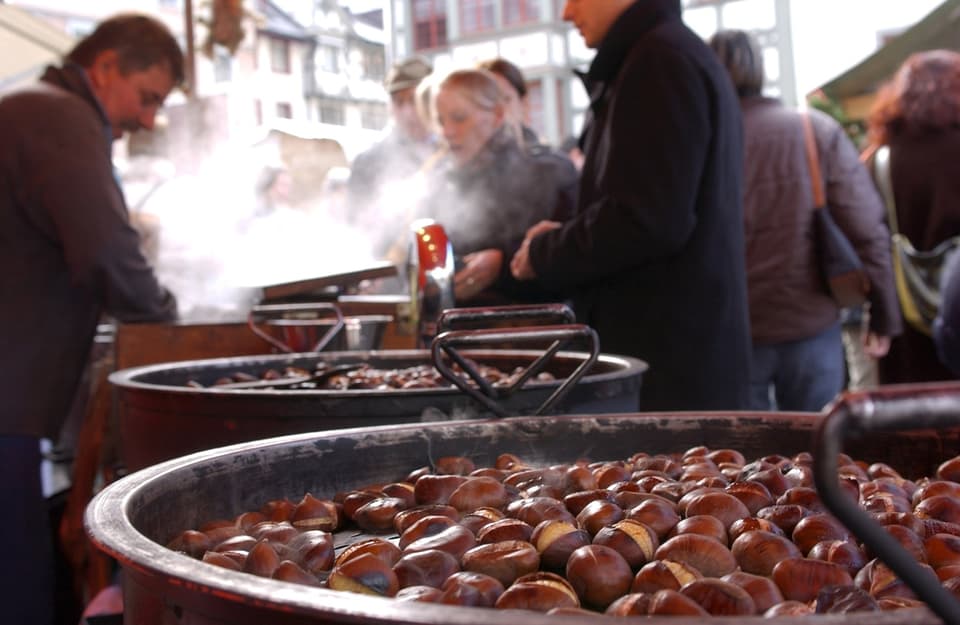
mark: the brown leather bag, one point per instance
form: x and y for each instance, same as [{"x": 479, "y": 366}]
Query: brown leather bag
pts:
[{"x": 840, "y": 267}]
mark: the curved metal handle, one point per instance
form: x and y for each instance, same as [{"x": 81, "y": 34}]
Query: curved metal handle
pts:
[
  {"x": 887, "y": 408},
  {"x": 447, "y": 343},
  {"x": 262, "y": 313},
  {"x": 558, "y": 313}
]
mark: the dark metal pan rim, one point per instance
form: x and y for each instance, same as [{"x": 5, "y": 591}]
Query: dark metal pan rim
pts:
[{"x": 132, "y": 378}]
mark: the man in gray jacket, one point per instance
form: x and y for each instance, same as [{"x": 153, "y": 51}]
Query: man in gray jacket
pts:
[{"x": 68, "y": 254}]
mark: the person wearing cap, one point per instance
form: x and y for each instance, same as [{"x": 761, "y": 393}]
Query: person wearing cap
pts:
[{"x": 378, "y": 176}]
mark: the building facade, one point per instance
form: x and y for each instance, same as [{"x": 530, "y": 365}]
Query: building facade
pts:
[
  {"x": 805, "y": 43},
  {"x": 305, "y": 67},
  {"x": 529, "y": 33}
]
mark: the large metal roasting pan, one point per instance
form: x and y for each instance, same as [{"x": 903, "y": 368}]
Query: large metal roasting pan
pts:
[{"x": 132, "y": 518}]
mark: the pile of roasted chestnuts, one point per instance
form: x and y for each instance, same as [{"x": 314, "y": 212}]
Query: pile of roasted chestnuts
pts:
[
  {"x": 362, "y": 376},
  {"x": 704, "y": 532}
]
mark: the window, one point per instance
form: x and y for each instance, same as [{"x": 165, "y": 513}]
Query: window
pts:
[
  {"x": 222, "y": 65},
  {"x": 284, "y": 110},
  {"x": 373, "y": 64},
  {"x": 280, "y": 56},
  {"x": 328, "y": 59},
  {"x": 476, "y": 16},
  {"x": 535, "y": 103},
  {"x": 429, "y": 24},
  {"x": 331, "y": 113},
  {"x": 516, "y": 12}
]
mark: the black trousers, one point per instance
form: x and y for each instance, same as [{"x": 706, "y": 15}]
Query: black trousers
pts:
[{"x": 27, "y": 577}]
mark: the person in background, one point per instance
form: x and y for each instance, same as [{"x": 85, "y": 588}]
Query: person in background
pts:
[
  {"x": 917, "y": 114},
  {"x": 654, "y": 256},
  {"x": 513, "y": 86},
  {"x": 946, "y": 326},
  {"x": 272, "y": 190},
  {"x": 798, "y": 356},
  {"x": 571, "y": 147},
  {"x": 69, "y": 254},
  {"x": 375, "y": 189},
  {"x": 516, "y": 105},
  {"x": 490, "y": 191}
]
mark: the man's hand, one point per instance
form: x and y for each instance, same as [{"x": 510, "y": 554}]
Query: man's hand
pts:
[
  {"x": 480, "y": 272},
  {"x": 875, "y": 346},
  {"x": 520, "y": 265}
]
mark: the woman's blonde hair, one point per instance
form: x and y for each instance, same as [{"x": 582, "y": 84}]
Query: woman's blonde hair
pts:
[{"x": 478, "y": 86}]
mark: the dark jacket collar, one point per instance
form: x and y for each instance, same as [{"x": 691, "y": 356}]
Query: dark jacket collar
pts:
[
  {"x": 640, "y": 17},
  {"x": 72, "y": 77}
]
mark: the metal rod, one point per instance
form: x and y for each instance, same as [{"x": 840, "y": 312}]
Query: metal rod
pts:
[
  {"x": 852, "y": 416},
  {"x": 191, "y": 54}
]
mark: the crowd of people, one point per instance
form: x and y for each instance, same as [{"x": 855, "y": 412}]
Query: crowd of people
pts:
[
  {"x": 678, "y": 224},
  {"x": 689, "y": 242}
]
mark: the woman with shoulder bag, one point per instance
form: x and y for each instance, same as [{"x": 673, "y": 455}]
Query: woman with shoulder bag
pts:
[
  {"x": 917, "y": 115},
  {"x": 798, "y": 355}
]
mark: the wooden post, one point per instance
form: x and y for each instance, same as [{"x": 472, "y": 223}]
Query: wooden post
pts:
[{"x": 191, "y": 55}]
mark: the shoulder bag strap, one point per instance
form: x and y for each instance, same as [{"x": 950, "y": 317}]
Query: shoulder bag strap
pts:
[
  {"x": 881, "y": 173},
  {"x": 813, "y": 162}
]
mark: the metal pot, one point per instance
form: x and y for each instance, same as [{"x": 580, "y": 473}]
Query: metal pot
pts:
[
  {"x": 161, "y": 417},
  {"x": 314, "y": 327},
  {"x": 133, "y": 517}
]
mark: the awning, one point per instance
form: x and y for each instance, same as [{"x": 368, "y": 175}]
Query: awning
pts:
[
  {"x": 939, "y": 29},
  {"x": 28, "y": 44}
]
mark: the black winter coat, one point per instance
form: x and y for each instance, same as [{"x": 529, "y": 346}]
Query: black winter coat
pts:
[
  {"x": 493, "y": 200},
  {"x": 655, "y": 256}
]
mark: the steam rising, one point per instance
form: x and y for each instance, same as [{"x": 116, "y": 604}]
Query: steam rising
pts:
[{"x": 218, "y": 240}]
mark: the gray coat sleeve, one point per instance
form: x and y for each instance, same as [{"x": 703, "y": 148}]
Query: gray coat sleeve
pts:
[{"x": 857, "y": 208}]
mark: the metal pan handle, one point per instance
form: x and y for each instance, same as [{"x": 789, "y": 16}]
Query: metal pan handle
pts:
[
  {"x": 265, "y": 312},
  {"x": 557, "y": 313},
  {"x": 886, "y": 409},
  {"x": 446, "y": 344}
]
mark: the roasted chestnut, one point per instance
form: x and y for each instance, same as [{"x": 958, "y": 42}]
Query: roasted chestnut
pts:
[
  {"x": 598, "y": 575},
  {"x": 719, "y": 597},
  {"x": 556, "y": 540},
  {"x": 504, "y": 561},
  {"x": 706, "y": 554},
  {"x": 365, "y": 574},
  {"x": 430, "y": 567}
]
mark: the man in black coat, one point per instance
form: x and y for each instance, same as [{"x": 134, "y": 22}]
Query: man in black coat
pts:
[{"x": 655, "y": 256}]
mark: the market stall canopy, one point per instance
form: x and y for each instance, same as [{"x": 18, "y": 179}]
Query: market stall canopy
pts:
[
  {"x": 939, "y": 29},
  {"x": 28, "y": 44}
]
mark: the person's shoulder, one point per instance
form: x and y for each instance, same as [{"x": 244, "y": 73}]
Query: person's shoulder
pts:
[
  {"x": 46, "y": 115},
  {"x": 823, "y": 121},
  {"x": 554, "y": 159}
]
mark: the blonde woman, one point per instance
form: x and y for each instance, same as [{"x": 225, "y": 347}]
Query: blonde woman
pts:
[{"x": 490, "y": 189}]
